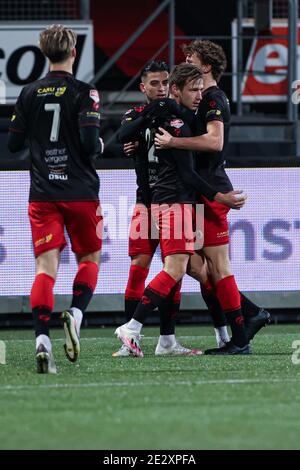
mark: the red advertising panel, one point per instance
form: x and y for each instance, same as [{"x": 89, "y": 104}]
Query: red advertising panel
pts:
[{"x": 265, "y": 77}]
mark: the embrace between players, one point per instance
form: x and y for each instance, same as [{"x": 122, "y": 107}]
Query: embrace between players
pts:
[
  {"x": 179, "y": 161},
  {"x": 179, "y": 146}
]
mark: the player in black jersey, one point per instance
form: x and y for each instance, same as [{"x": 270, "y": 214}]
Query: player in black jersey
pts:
[
  {"x": 58, "y": 118},
  {"x": 211, "y": 129},
  {"x": 172, "y": 194},
  {"x": 155, "y": 85}
]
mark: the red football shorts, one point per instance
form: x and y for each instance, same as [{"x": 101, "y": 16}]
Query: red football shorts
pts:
[
  {"x": 83, "y": 221},
  {"x": 175, "y": 226},
  {"x": 216, "y": 229},
  {"x": 141, "y": 229}
]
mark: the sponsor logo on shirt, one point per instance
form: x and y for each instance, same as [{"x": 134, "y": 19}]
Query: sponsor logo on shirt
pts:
[
  {"x": 222, "y": 234},
  {"x": 51, "y": 90},
  {"x": 177, "y": 123},
  {"x": 94, "y": 95},
  {"x": 60, "y": 91},
  {"x": 57, "y": 177},
  {"x": 212, "y": 112},
  {"x": 93, "y": 114}
]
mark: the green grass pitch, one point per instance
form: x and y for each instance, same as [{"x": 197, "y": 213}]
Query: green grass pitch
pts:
[{"x": 239, "y": 402}]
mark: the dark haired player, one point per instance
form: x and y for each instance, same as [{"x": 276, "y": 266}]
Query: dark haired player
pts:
[
  {"x": 154, "y": 83},
  {"x": 172, "y": 193}
]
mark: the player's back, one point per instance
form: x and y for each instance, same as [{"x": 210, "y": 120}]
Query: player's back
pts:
[{"x": 53, "y": 109}]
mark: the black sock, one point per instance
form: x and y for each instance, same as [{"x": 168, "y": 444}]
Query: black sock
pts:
[
  {"x": 82, "y": 295},
  {"x": 214, "y": 308},
  {"x": 236, "y": 321},
  {"x": 41, "y": 317},
  {"x": 168, "y": 312},
  {"x": 130, "y": 307},
  {"x": 149, "y": 302},
  {"x": 249, "y": 308}
]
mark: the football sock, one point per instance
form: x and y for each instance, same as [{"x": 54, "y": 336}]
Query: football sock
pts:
[
  {"x": 84, "y": 284},
  {"x": 213, "y": 304},
  {"x": 42, "y": 303},
  {"x": 229, "y": 298},
  {"x": 134, "y": 289},
  {"x": 168, "y": 311},
  {"x": 221, "y": 334},
  {"x": 154, "y": 295},
  {"x": 166, "y": 341},
  {"x": 45, "y": 341},
  {"x": 134, "y": 325},
  {"x": 249, "y": 308}
]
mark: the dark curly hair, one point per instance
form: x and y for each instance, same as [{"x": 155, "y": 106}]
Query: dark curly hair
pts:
[{"x": 209, "y": 53}]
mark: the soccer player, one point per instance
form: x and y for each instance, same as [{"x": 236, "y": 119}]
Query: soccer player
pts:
[
  {"x": 155, "y": 85},
  {"x": 58, "y": 117},
  {"x": 219, "y": 291},
  {"x": 172, "y": 191}
]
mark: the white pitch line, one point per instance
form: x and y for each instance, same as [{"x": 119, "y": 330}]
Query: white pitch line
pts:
[
  {"x": 189, "y": 383},
  {"x": 144, "y": 338}
]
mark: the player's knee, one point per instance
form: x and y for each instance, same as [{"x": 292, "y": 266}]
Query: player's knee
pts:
[
  {"x": 195, "y": 273},
  {"x": 143, "y": 261},
  {"x": 92, "y": 257},
  {"x": 219, "y": 271}
]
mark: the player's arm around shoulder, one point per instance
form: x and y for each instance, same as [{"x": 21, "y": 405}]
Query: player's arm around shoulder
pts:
[{"x": 174, "y": 129}]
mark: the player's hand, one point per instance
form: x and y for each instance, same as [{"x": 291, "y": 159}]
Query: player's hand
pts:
[
  {"x": 232, "y": 199},
  {"x": 130, "y": 148},
  {"x": 163, "y": 140},
  {"x": 156, "y": 108}
]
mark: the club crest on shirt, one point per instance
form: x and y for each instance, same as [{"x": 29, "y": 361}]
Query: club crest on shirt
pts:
[
  {"x": 94, "y": 95},
  {"x": 177, "y": 123}
]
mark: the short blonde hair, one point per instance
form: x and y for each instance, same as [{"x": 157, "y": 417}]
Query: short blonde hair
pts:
[{"x": 57, "y": 42}]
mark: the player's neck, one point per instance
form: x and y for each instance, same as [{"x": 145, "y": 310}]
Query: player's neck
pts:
[
  {"x": 209, "y": 81},
  {"x": 61, "y": 67}
]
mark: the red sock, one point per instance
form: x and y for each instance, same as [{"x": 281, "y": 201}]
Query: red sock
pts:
[
  {"x": 230, "y": 300},
  {"x": 207, "y": 288},
  {"x": 41, "y": 294},
  {"x": 84, "y": 284},
  {"x": 87, "y": 274},
  {"x": 176, "y": 293},
  {"x": 162, "y": 284},
  {"x": 228, "y": 294},
  {"x": 42, "y": 303},
  {"x": 154, "y": 295},
  {"x": 136, "y": 282}
]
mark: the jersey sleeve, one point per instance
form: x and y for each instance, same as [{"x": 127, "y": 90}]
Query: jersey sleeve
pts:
[
  {"x": 214, "y": 109},
  {"x": 131, "y": 125},
  {"x": 18, "y": 119},
  {"x": 17, "y": 126},
  {"x": 89, "y": 105}
]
